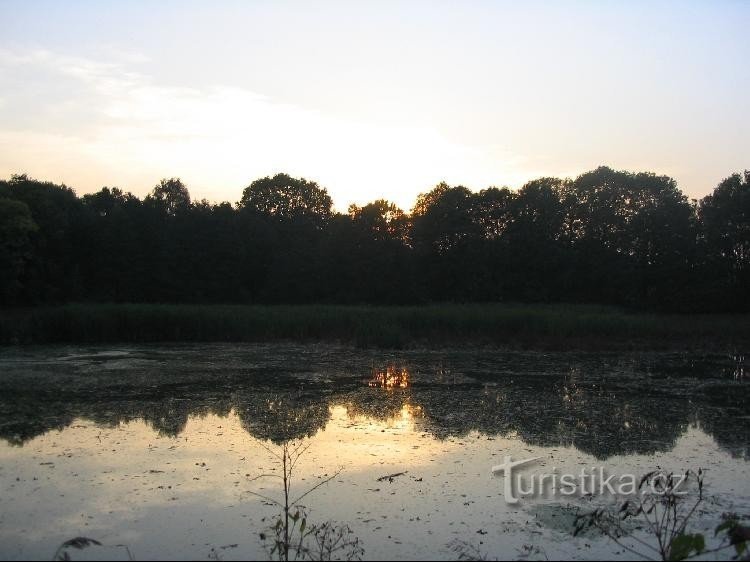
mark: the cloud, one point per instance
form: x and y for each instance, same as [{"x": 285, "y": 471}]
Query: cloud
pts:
[{"x": 92, "y": 123}]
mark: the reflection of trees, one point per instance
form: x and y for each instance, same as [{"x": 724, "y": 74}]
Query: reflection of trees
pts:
[
  {"x": 717, "y": 390},
  {"x": 27, "y": 412},
  {"x": 726, "y": 417},
  {"x": 627, "y": 415},
  {"x": 279, "y": 417},
  {"x": 602, "y": 421},
  {"x": 540, "y": 412},
  {"x": 626, "y": 410},
  {"x": 22, "y": 422},
  {"x": 264, "y": 413},
  {"x": 374, "y": 403}
]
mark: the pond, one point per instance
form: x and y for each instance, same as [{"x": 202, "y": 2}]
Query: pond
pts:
[{"x": 161, "y": 451}]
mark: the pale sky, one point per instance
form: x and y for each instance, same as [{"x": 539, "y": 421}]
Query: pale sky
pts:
[{"x": 371, "y": 99}]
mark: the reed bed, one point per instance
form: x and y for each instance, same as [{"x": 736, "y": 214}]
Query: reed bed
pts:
[{"x": 509, "y": 325}]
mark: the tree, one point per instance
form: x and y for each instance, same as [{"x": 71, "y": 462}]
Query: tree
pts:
[
  {"x": 16, "y": 227},
  {"x": 58, "y": 247},
  {"x": 446, "y": 239},
  {"x": 108, "y": 201},
  {"x": 382, "y": 219},
  {"x": 121, "y": 245},
  {"x": 607, "y": 236},
  {"x": 170, "y": 196},
  {"x": 493, "y": 211},
  {"x": 373, "y": 254},
  {"x": 725, "y": 229},
  {"x": 288, "y": 199},
  {"x": 289, "y": 217},
  {"x": 632, "y": 234},
  {"x": 443, "y": 218},
  {"x": 536, "y": 242}
]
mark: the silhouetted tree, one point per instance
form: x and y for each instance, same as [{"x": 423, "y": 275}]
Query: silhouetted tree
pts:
[
  {"x": 119, "y": 264},
  {"x": 167, "y": 219},
  {"x": 170, "y": 196},
  {"x": 371, "y": 251},
  {"x": 58, "y": 246},
  {"x": 493, "y": 213},
  {"x": 445, "y": 237},
  {"x": 443, "y": 218},
  {"x": 725, "y": 227},
  {"x": 215, "y": 249},
  {"x": 632, "y": 234},
  {"x": 492, "y": 210},
  {"x": 607, "y": 236},
  {"x": 290, "y": 216},
  {"x": 382, "y": 219},
  {"x": 16, "y": 228},
  {"x": 288, "y": 199},
  {"x": 537, "y": 240}
]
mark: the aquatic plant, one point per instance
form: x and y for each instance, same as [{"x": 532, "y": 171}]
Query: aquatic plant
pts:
[
  {"x": 291, "y": 536},
  {"x": 665, "y": 506}
]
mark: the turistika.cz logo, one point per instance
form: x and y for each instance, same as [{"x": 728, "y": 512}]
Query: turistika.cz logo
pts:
[{"x": 590, "y": 481}]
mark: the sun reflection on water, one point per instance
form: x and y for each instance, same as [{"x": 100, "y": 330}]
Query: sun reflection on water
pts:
[
  {"x": 739, "y": 367},
  {"x": 391, "y": 377}
]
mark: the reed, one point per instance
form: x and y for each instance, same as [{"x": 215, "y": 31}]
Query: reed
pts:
[{"x": 503, "y": 325}]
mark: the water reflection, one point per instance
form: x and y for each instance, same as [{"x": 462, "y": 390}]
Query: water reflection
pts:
[
  {"x": 390, "y": 377},
  {"x": 390, "y": 413},
  {"x": 602, "y": 405},
  {"x": 739, "y": 370}
]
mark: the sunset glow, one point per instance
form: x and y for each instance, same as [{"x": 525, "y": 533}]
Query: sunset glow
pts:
[{"x": 123, "y": 95}]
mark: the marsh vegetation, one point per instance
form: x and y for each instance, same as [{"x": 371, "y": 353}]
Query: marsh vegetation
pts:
[{"x": 553, "y": 327}]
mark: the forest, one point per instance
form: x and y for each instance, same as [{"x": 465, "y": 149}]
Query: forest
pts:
[{"x": 606, "y": 237}]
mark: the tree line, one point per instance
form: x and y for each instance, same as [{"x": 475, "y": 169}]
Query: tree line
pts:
[{"x": 607, "y": 236}]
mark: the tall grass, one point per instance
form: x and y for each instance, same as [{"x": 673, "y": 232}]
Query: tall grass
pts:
[{"x": 512, "y": 325}]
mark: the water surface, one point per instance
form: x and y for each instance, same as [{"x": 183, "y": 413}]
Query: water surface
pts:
[{"x": 158, "y": 448}]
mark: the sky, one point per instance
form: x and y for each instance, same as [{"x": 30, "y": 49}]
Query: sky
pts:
[{"x": 379, "y": 99}]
